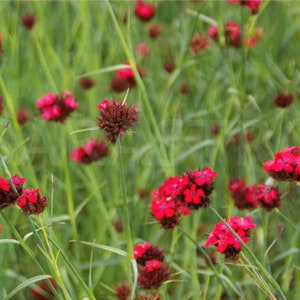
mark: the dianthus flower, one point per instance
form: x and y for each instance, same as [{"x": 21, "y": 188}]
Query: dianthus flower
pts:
[
  {"x": 116, "y": 118},
  {"x": 90, "y": 152},
  {"x": 145, "y": 251},
  {"x": 1, "y": 37},
  {"x": 122, "y": 291},
  {"x": 142, "y": 49},
  {"x": 23, "y": 115},
  {"x": 285, "y": 166},
  {"x": 225, "y": 241},
  {"x": 28, "y": 21},
  {"x": 43, "y": 291},
  {"x": 232, "y": 33},
  {"x": 86, "y": 82},
  {"x": 1, "y": 105},
  {"x": 253, "y": 5},
  {"x": 9, "y": 195},
  {"x": 199, "y": 43},
  {"x": 213, "y": 33},
  {"x": 144, "y": 11},
  {"x": 56, "y": 107},
  {"x": 179, "y": 195},
  {"x": 154, "y": 31},
  {"x": 31, "y": 202},
  {"x": 283, "y": 100},
  {"x": 250, "y": 196}
]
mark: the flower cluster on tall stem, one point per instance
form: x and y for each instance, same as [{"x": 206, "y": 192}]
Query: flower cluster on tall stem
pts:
[
  {"x": 57, "y": 107},
  {"x": 152, "y": 273},
  {"x": 225, "y": 241},
  {"x": 285, "y": 166},
  {"x": 179, "y": 195},
  {"x": 116, "y": 118},
  {"x": 251, "y": 196}
]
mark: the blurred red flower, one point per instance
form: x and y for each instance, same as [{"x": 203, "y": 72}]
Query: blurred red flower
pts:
[
  {"x": 28, "y": 21},
  {"x": 31, "y": 202},
  {"x": 43, "y": 291},
  {"x": 144, "y": 11}
]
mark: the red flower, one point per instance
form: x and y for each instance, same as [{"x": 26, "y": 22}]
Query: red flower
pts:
[
  {"x": 142, "y": 49},
  {"x": 28, "y": 21},
  {"x": 8, "y": 195},
  {"x": 43, "y": 292},
  {"x": 90, "y": 152},
  {"x": 193, "y": 195},
  {"x": 253, "y": 5},
  {"x": 122, "y": 291},
  {"x": 223, "y": 239},
  {"x": 1, "y": 228},
  {"x": 285, "y": 166},
  {"x": 1, "y": 102},
  {"x": 154, "y": 31},
  {"x": 233, "y": 34},
  {"x": 152, "y": 265},
  {"x": 144, "y": 11},
  {"x": 23, "y": 115},
  {"x": 146, "y": 252},
  {"x": 56, "y": 107},
  {"x": 199, "y": 43},
  {"x": 169, "y": 66},
  {"x": 268, "y": 196},
  {"x": 284, "y": 100},
  {"x": 86, "y": 82},
  {"x": 213, "y": 33},
  {"x": 116, "y": 118},
  {"x": 1, "y": 38},
  {"x": 31, "y": 202}
]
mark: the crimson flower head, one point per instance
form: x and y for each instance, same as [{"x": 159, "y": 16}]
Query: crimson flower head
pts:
[
  {"x": 28, "y": 21},
  {"x": 116, "y": 118},
  {"x": 144, "y": 11},
  {"x": 1, "y": 37},
  {"x": 43, "y": 291},
  {"x": 9, "y": 195},
  {"x": 31, "y": 202},
  {"x": 57, "y": 107},
  {"x": 23, "y": 115},
  {"x": 225, "y": 241},
  {"x": 1, "y": 104},
  {"x": 0, "y": 228},
  {"x": 122, "y": 291},
  {"x": 86, "y": 82},
  {"x": 199, "y": 43},
  {"x": 253, "y": 5},
  {"x": 90, "y": 152},
  {"x": 285, "y": 166},
  {"x": 142, "y": 49},
  {"x": 232, "y": 33},
  {"x": 213, "y": 33},
  {"x": 145, "y": 252},
  {"x": 284, "y": 100},
  {"x": 154, "y": 31}
]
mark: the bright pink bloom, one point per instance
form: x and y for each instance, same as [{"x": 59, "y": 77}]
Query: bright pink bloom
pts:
[
  {"x": 56, "y": 107},
  {"x": 1, "y": 38},
  {"x": 213, "y": 32},
  {"x": 140, "y": 249},
  {"x": 232, "y": 33},
  {"x": 152, "y": 265},
  {"x": 145, "y": 251},
  {"x": 90, "y": 152},
  {"x": 223, "y": 239},
  {"x": 31, "y": 202},
  {"x": 144, "y": 11},
  {"x": 125, "y": 72}
]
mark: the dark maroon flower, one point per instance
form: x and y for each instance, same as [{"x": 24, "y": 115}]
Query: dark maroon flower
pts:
[
  {"x": 284, "y": 100},
  {"x": 9, "y": 192},
  {"x": 122, "y": 291},
  {"x": 285, "y": 166},
  {"x": 199, "y": 43},
  {"x": 169, "y": 66},
  {"x": 215, "y": 129},
  {"x": 118, "y": 225},
  {"x": 232, "y": 33},
  {"x": 223, "y": 239},
  {"x": 1, "y": 38},
  {"x": 116, "y": 118},
  {"x": 90, "y": 152},
  {"x": 144, "y": 11},
  {"x": 28, "y": 21},
  {"x": 23, "y": 115},
  {"x": 31, "y": 202},
  {"x": 43, "y": 291},
  {"x": 153, "y": 275},
  {"x": 145, "y": 251},
  {"x": 56, "y": 107},
  {"x": 86, "y": 83},
  {"x": 154, "y": 31},
  {"x": 184, "y": 89}
]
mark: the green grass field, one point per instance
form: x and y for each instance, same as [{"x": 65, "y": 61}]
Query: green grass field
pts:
[{"x": 207, "y": 108}]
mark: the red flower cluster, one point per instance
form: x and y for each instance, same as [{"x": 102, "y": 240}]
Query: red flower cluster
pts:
[
  {"x": 180, "y": 194},
  {"x": 285, "y": 166},
  {"x": 28, "y": 21},
  {"x": 28, "y": 200},
  {"x": 154, "y": 31},
  {"x": 225, "y": 241},
  {"x": 90, "y": 152},
  {"x": 1, "y": 37},
  {"x": 116, "y": 118},
  {"x": 233, "y": 35},
  {"x": 43, "y": 291},
  {"x": 56, "y": 107},
  {"x": 31, "y": 202},
  {"x": 284, "y": 100},
  {"x": 199, "y": 43},
  {"x": 123, "y": 291},
  {"x": 152, "y": 274},
  {"x": 144, "y": 11},
  {"x": 253, "y": 5},
  {"x": 124, "y": 79},
  {"x": 250, "y": 196},
  {"x": 86, "y": 82},
  {"x": 9, "y": 192}
]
